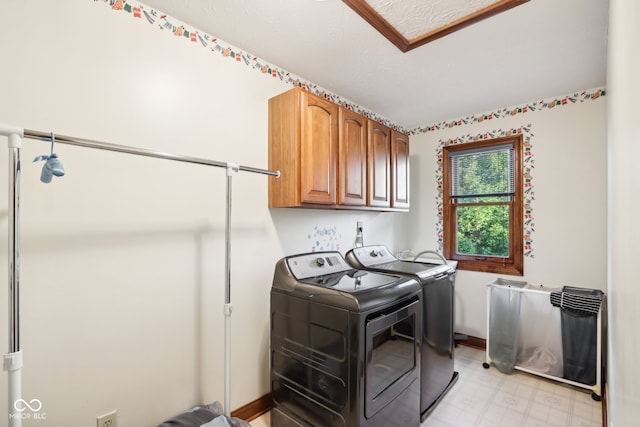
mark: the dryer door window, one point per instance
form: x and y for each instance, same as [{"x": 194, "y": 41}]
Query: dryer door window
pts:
[{"x": 392, "y": 342}]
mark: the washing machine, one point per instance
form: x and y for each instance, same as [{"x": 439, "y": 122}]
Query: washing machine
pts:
[
  {"x": 437, "y": 280},
  {"x": 345, "y": 345}
]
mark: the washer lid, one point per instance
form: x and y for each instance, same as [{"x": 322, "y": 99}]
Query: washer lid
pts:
[
  {"x": 379, "y": 258},
  {"x": 352, "y": 281},
  {"x": 422, "y": 270}
]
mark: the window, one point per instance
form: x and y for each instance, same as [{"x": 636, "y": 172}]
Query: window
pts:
[{"x": 482, "y": 192}]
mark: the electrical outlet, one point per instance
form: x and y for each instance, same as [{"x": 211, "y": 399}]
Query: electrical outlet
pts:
[
  {"x": 359, "y": 239},
  {"x": 107, "y": 420}
]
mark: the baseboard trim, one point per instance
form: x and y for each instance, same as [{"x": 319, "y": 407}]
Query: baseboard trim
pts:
[
  {"x": 474, "y": 342},
  {"x": 253, "y": 410}
]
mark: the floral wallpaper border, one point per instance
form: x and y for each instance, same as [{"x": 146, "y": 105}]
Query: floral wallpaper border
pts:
[
  {"x": 178, "y": 29},
  {"x": 585, "y": 95},
  {"x": 528, "y": 192}
]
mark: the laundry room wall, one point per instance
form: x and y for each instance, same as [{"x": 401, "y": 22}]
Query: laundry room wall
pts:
[
  {"x": 122, "y": 271},
  {"x": 623, "y": 65},
  {"x": 565, "y": 208}
]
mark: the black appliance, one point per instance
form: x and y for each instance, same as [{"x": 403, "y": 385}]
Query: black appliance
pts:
[
  {"x": 345, "y": 345},
  {"x": 437, "y": 280}
]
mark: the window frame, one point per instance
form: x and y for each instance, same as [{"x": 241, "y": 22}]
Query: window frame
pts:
[{"x": 514, "y": 263}]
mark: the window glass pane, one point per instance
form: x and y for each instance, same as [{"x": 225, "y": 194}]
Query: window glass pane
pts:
[
  {"x": 487, "y": 172},
  {"x": 483, "y": 199},
  {"x": 483, "y": 230}
]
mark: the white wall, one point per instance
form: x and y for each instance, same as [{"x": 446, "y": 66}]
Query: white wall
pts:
[
  {"x": 624, "y": 193},
  {"x": 122, "y": 259},
  {"x": 568, "y": 144}
]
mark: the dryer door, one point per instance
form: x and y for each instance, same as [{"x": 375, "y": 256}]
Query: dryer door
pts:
[{"x": 392, "y": 354}]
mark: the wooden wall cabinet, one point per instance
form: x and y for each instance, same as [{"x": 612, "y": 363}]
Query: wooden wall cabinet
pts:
[
  {"x": 303, "y": 146},
  {"x": 331, "y": 157},
  {"x": 352, "y": 169},
  {"x": 399, "y": 170},
  {"x": 379, "y": 158}
]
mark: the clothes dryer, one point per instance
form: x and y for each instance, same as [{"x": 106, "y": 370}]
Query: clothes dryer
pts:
[
  {"x": 437, "y": 281},
  {"x": 345, "y": 345}
]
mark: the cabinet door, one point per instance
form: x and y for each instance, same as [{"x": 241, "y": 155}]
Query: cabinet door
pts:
[
  {"x": 352, "y": 159},
  {"x": 399, "y": 170},
  {"x": 318, "y": 150},
  {"x": 379, "y": 154}
]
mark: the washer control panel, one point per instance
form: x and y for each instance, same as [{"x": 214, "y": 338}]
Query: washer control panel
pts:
[
  {"x": 317, "y": 264},
  {"x": 372, "y": 255}
]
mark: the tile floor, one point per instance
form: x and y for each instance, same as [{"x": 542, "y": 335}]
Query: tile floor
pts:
[{"x": 486, "y": 398}]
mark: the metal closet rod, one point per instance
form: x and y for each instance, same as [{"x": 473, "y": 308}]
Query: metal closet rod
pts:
[
  {"x": 13, "y": 362},
  {"x": 70, "y": 140}
]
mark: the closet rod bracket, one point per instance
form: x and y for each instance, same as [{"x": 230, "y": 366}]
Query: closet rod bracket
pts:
[
  {"x": 232, "y": 167},
  {"x": 7, "y": 130}
]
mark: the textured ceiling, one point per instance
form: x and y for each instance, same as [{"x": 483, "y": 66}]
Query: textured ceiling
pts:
[
  {"x": 413, "y": 18},
  {"x": 540, "y": 49}
]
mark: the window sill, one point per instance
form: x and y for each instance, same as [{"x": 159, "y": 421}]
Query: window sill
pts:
[{"x": 490, "y": 267}]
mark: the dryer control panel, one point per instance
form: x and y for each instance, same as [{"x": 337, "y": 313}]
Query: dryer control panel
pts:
[{"x": 317, "y": 264}]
